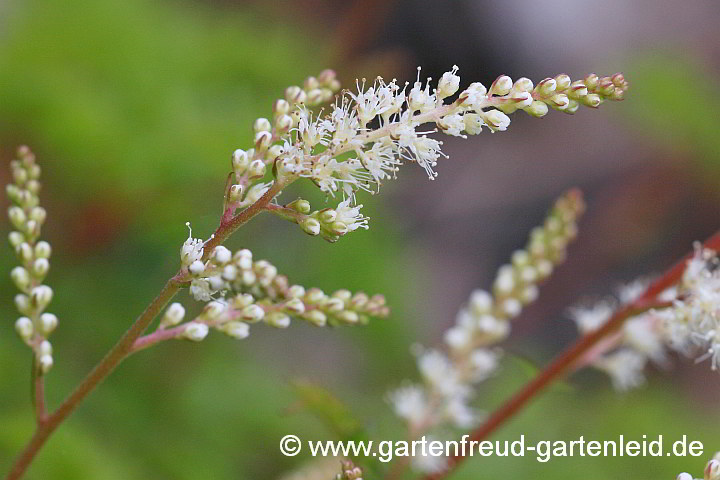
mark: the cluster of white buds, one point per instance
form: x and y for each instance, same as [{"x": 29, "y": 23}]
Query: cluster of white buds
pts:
[
  {"x": 560, "y": 93},
  {"x": 711, "y": 472},
  {"x": 367, "y": 134},
  {"x": 690, "y": 324},
  {"x": 250, "y": 166},
  {"x": 27, "y": 217},
  {"x": 330, "y": 223},
  {"x": 450, "y": 377},
  {"x": 240, "y": 291}
]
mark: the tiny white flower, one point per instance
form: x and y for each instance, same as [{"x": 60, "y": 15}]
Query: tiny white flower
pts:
[
  {"x": 192, "y": 249},
  {"x": 449, "y": 83}
]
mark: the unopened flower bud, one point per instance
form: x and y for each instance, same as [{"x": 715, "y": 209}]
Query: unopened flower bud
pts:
[
  {"x": 240, "y": 161},
  {"x": 327, "y": 216},
  {"x": 196, "y": 267},
  {"x": 523, "y": 84},
  {"x": 39, "y": 214},
  {"x": 213, "y": 310},
  {"x": 310, "y": 225},
  {"x": 22, "y": 303},
  {"x": 20, "y": 277},
  {"x": 45, "y": 348},
  {"x": 221, "y": 255},
  {"x": 243, "y": 258},
  {"x": 296, "y": 291},
  {"x": 173, "y": 315},
  {"x": 591, "y": 81},
  {"x": 481, "y": 302},
  {"x": 559, "y": 101},
  {"x": 280, "y": 107},
  {"x": 496, "y": 120},
  {"x": 24, "y": 328},
  {"x": 274, "y": 152},
  {"x": 16, "y": 238},
  {"x": 236, "y": 192},
  {"x": 262, "y": 125},
  {"x": 238, "y": 330},
  {"x": 41, "y": 296},
  {"x": 315, "y": 96},
  {"x": 216, "y": 282},
  {"x": 316, "y": 317},
  {"x": 295, "y": 95},
  {"x": 41, "y": 266},
  {"x": 537, "y": 109},
  {"x": 48, "y": 323},
  {"x": 300, "y": 205},
  {"x": 712, "y": 470},
  {"x": 195, "y": 331},
  {"x": 24, "y": 251},
  {"x": 278, "y": 320},
  {"x": 242, "y": 300},
  {"x": 42, "y": 250},
  {"x": 572, "y": 107},
  {"x": 334, "y": 305},
  {"x": 283, "y": 123},
  {"x": 592, "y": 100},
  {"x": 562, "y": 82},
  {"x": 45, "y": 363},
  {"x": 343, "y": 294},
  {"x": 314, "y": 296},
  {"x": 230, "y": 273},
  {"x": 263, "y": 140},
  {"x": 348, "y": 316},
  {"x": 327, "y": 76},
  {"x": 501, "y": 86},
  {"x": 253, "y": 313},
  {"x": 17, "y": 217},
  {"x": 512, "y": 307},
  {"x": 295, "y": 306}
]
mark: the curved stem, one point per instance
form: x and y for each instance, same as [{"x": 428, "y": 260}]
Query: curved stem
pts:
[
  {"x": 124, "y": 346},
  {"x": 564, "y": 363}
]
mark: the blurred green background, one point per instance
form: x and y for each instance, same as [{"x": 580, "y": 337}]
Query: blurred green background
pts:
[{"x": 133, "y": 108}]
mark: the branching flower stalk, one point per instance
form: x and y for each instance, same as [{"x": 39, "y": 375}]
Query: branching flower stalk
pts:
[
  {"x": 362, "y": 141},
  {"x": 568, "y": 360}
]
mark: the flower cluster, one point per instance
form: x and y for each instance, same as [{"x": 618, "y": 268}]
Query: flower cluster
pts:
[
  {"x": 450, "y": 377},
  {"x": 368, "y": 133},
  {"x": 250, "y": 166},
  {"x": 27, "y": 217},
  {"x": 711, "y": 472},
  {"x": 240, "y": 291},
  {"x": 370, "y": 155},
  {"x": 688, "y": 324},
  {"x": 330, "y": 223}
]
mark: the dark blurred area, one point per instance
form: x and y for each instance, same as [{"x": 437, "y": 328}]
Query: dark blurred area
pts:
[{"x": 133, "y": 109}]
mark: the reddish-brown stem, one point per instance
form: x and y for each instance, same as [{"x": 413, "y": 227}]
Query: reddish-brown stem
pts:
[
  {"x": 124, "y": 346},
  {"x": 564, "y": 362},
  {"x": 39, "y": 397}
]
